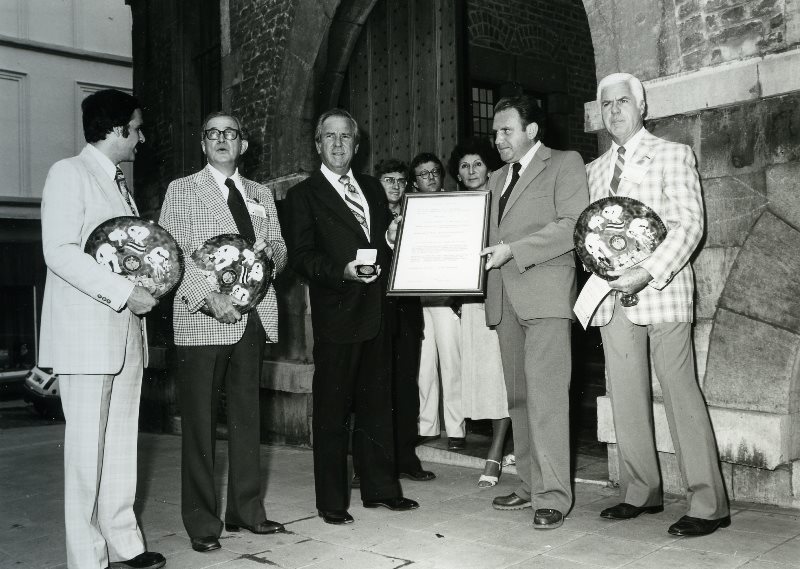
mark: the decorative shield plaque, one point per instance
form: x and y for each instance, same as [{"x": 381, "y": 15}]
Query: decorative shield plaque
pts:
[
  {"x": 617, "y": 233},
  {"x": 140, "y": 250},
  {"x": 233, "y": 268}
]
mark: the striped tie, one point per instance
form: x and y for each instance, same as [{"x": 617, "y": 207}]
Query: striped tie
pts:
[
  {"x": 119, "y": 178},
  {"x": 618, "y": 167},
  {"x": 353, "y": 201}
]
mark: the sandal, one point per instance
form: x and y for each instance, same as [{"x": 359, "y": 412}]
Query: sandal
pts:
[{"x": 487, "y": 480}]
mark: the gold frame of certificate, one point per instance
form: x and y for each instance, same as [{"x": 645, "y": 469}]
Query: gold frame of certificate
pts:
[{"x": 437, "y": 251}]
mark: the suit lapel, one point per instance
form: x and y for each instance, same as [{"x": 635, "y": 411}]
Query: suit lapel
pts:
[
  {"x": 328, "y": 195},
  {"x": 602, "y": 186},
  {"x": 108, "y": 185},
  {"x": 641, "y": 161},
  {"x": 252, "y": 194},
  {"x": 210, "y": 195},
  {"x": 535, "y": 167}
]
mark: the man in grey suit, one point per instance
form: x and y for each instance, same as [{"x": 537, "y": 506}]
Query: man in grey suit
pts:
[
  {"x": 536, "y": 200},
  {"x": 216, "y": 344},
  {"x": 92, "y": 336}
]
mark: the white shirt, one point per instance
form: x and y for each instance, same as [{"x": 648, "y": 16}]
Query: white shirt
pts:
[
  {"x": 523, "y": 162},
  {"x": 220, "y": 178},
  {"x": 105, "y": 162},
  {"x": 333, "y": 178},
  {"x": 630, "y": 148}
]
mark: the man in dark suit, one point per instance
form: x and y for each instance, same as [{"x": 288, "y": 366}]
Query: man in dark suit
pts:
[
  {"x": 331, "y": 215},
  {"x": 536, "y": 200},
  {"x": 216, "y": 344}
]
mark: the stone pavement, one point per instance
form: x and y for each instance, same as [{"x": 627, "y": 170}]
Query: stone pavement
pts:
[{"x": 455, "y": 526}]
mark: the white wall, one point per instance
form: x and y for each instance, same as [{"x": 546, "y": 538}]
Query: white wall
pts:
[{"x": 44, "y": 75}]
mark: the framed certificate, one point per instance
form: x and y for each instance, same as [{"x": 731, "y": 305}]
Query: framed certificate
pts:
[{"x": 437, "y": 252}]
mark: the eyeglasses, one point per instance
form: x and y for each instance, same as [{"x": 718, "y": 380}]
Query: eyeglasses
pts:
[
  {"x": 425, "y": 174},
  {"x": 228, "y": 133},
  {"x": 399, "y": 182}
]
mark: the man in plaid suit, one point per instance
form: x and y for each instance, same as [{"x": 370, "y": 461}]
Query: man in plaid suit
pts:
[
  {"x": 662, "y": 175},
  {"x": 216, "y": 344}
]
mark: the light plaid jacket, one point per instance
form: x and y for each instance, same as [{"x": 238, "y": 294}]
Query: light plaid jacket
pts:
[
  {"x": 664, "y": 177},
  {"x": 193, "y": 212}
]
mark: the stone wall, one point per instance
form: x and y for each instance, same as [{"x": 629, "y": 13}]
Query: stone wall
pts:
[{"x": 555, "y": 32}]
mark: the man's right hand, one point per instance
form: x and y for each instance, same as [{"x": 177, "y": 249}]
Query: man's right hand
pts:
[
  {"x": 140, "y": 301},
  {"x": 351, "y": 275},
  {"x": 221, "y": 308}
]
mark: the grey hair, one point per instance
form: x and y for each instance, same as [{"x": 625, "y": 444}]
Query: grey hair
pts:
[
  {"x": 637, "y": 89},
  {"x": 217, "y": 114},
  {"x": 336, "y": 112}
]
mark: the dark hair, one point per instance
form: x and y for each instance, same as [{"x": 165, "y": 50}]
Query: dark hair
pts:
[
  {"x": 336, "y": 112},
  {"x": 528, "y": 109},
  {"x": 389, "y": 165},
  {"x": 473, "y": 145},
  {"x": 105, "y": 110},
  {"x": 421, "y": 158},
  {"x": 242, "y": 131}
]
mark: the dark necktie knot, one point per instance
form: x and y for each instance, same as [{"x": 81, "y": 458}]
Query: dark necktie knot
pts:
[
  {"x": 345, "y": 181},
  {"x": 621, "y": 151}
]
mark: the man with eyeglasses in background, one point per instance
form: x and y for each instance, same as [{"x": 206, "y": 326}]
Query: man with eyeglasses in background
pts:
[
  {"x": 441, "y": 343},
  {"x": 216, "y": 344}
]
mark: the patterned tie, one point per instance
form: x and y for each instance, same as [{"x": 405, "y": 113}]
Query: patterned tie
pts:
[
  {"x": 119, "y": 177},
  {"x": 618, "y": 167},
  {"x": 239, "y": 212},
  {"x": 515, "y": 168},
  {"x": 353, "y": 201}
]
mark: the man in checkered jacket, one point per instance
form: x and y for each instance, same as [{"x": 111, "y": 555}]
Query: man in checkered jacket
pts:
[
  {"x": 662, "y": 175},
  {"x": 216, "y": 344}
]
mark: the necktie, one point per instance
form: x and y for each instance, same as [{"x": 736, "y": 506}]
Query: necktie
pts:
[
  {"x": 618, "y": 167},
  {"x": 353, "y": 201},
  {"x": 515, "y": 168},
  {"x": 119, "y": 177},
  {"x": 239, "y": 212}
]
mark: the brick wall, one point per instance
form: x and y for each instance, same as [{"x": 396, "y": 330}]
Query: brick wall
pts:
[
  {"x": 556, "y": 31},
  {"x": 716, "y": 31},
  {"x": 259, "y": 30}
]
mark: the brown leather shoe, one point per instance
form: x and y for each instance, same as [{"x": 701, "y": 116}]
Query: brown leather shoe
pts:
[
  {"x": 547, "y": 518},
  {"x": 261, "y": 528},
  {"x": 693, "y": 527},
  {"x": 623, "y": 511},
  {"x": 510, "y": 502}
]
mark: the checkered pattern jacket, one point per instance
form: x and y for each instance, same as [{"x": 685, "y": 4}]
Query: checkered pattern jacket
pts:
[
  {"x": 666, "y": 179},
  {"x": 193, "y": 212}
]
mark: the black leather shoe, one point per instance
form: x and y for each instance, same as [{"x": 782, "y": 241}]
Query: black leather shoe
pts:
[
  {"x": 203, "y": 544},
  {"x": 146, "y": 560},
  {"x": 356, "y": 482},
  {"x": 336, "y": 517},
  {"x": 418, "y": 475},
  {"x": 546, "y": 518},
  {"x": 693, "y": 527},
  {"x": 623, "y": 511},
  {"x": 422, "y": 439},
  {"x": 510, "y": 502},
  {"x": 456, "y": 443},
  {"x": 265, "y": 527},
  {"x": 396, "y": 504}
]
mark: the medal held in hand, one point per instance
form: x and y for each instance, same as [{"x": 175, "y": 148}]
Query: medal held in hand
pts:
[
  {"x": 617, "y": 233},
  {"x": 139, "y": 250},
  {"x": 232, "y": 267}
]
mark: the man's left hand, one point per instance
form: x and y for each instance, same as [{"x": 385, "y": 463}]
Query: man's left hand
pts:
[
  {"x": 630, "y": 281},
  {"x": 262, "y": 245},
  {"x": 497, "y": 255}
]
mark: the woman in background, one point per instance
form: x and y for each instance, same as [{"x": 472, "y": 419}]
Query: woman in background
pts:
[{"x": 482, "y": 385}]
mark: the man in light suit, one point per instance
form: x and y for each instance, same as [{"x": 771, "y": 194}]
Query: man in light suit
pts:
[
  {"x": 331, "y": 216},
  {"x": 662, "y": 175},
  {"x": 216, "y": 345},
  {"x": 92, "y": 337},
  {"x": 536, "y": 199}
]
